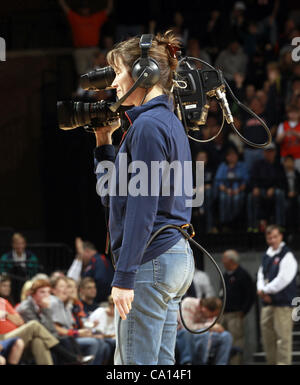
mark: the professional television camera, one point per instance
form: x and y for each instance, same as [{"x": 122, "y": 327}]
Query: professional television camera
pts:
[{"x": 192, "y": 92}]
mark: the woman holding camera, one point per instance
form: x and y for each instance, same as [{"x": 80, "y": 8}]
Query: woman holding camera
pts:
[{"x": 148, "y": 283}]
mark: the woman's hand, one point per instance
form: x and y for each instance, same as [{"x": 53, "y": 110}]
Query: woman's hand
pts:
[
  {"x": 122, "y": 299},
  {"x": 103, "y": 134}
]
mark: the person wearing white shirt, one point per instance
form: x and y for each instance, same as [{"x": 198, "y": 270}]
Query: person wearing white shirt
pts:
[
  {"x": 105, "y": 325},
  {"x": 276, "y": 286}
]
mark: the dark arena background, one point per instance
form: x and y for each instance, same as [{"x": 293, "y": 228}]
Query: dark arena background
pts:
[{"x": 47, "y": 180}]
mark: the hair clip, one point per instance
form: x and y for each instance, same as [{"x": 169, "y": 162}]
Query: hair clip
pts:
[{"x": 173, "y": 50}]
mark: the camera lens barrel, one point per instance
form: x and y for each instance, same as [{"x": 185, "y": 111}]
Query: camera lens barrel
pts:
[
  {"x": 98, "y": 78},
  {"x": 77, "y": 114}
]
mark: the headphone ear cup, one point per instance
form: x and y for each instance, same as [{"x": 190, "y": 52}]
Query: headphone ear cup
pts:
[{"x": 152, "y": 69}]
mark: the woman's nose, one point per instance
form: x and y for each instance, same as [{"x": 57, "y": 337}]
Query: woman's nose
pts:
[{"x": 114, "y": 83}]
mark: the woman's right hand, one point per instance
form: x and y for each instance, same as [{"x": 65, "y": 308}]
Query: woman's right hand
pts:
[{"x": 103, "y": 134}]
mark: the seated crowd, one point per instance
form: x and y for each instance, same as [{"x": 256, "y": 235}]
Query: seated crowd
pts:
[
  {"x": 244, "y": 191},
  {"x": 56, "y": 319},
  {"x": 59, "y": 320}
]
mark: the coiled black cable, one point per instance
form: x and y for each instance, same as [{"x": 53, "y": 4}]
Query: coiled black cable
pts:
[{"x": 240, "y": 104}]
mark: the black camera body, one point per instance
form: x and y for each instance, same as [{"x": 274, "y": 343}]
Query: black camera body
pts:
[{"x": 192, "y": 100}]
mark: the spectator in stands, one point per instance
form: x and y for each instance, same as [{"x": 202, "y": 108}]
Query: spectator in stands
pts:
[
  {"x": 240, "y": 297},
  {"x": 180, "y": 28},
  {"x": 37, "y": 307},
  {"x": 253, "y": 131},
  {"x": 292, "y": 194},
  {"x": 64, "y": 322},
  {"x": 40, "y": 276},
  {"x": 194, "y": 50},
  {"x": 238, "y": 20},
  {"x": 25, "y": 291},
  {"x": 213, "y": 33},
  {"x": 19, "y": 256},
  {"x": 201, "y": 286},
  {"x": 276, "y": 287},
  {"x": 5, "y": 288},
  {"x": 103, "y": 317},
  {"x": 87, "y": 294},
  {"x": 75, "y": 304},
  {"x": 196, "y": 348},
  {"x": 276, "y": 94},
  {"x": 232, "y": 60},
  {"x": 288, "y": 135},
  {"x": 230, "y": 184},
  {"x": 85, "y": 28},
  {"x": 56, "y": 273},
  {"x": 37, "y": 340},
  {"x": 206, "y": 209},
  {"x": 267, "y": 191},
  {"x": 89, "y": 263},
  {"x": 11, "y": 351},
  {"x": 220, "y": 144},
  {"x": 81, "y": 318},
  {"x": 20, "y": 262}
]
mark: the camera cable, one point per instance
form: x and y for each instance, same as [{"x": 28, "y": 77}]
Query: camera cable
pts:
[{"x": 189, "y": 237}]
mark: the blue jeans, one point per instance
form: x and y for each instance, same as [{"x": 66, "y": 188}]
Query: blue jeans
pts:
[
  {"x": 195, "y": 348},
  {"x": 148, "y": 335},
  {"x": 94, "y": 346}
]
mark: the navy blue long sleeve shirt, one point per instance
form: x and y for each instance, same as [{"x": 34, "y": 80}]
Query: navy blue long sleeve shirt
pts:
[{"x": 155, "y": 135}]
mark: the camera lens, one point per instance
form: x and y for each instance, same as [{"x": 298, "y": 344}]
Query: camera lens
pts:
[
  {"x": 73, "y": 114},
  {"x": 76, "y": 114},
  {"x": 98, "y": 79}
]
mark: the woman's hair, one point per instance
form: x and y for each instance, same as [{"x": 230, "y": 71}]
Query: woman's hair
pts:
[
  {"x": 18, "y": 236},
  {"x": 211, "y": 303},
  {"x": 163, "y": 50},
  {"x": 54, "y": 281},
  {"x": 25, "y": 291},
  {"x": 4, "y": 278},
  {"x": 85, "y": 281},
  {"x": 38, "y": 284}
]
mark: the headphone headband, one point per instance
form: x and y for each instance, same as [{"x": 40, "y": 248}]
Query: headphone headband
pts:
[{"x": 145, "y": 44}]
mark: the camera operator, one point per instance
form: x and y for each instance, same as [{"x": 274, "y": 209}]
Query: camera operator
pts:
[{"x": 147, "y": 285}]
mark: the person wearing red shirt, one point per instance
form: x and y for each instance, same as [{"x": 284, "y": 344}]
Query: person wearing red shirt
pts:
[
  {"x": 288, "y": 135},
  {"x": 85, "y": 28},
  {"x": 34, "y": 335}
]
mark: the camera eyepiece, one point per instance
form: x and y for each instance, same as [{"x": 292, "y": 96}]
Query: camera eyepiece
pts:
[{"x": 98, "y": 79}]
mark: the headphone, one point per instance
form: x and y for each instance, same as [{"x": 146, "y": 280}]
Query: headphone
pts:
[{"x": 146, "y": 64}]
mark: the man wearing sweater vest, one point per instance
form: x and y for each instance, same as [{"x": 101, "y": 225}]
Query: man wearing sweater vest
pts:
[{"x": 276, "y": 286}]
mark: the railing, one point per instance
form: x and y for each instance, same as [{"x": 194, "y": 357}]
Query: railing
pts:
[{"x": 51, "y": 256}]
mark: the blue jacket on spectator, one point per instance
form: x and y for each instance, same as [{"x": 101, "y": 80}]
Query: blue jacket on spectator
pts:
[
  {"x": 100, "y": 269},
  {"x": 231, "y": 177}
]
